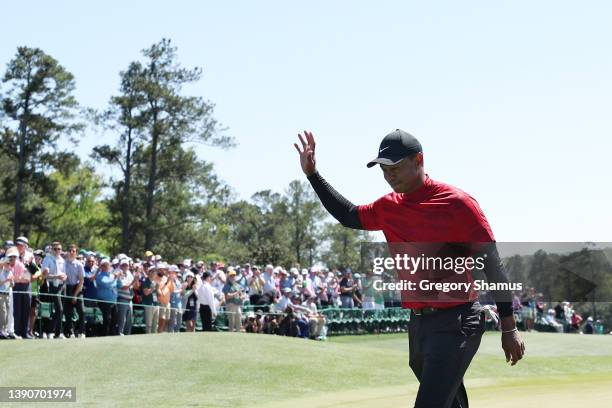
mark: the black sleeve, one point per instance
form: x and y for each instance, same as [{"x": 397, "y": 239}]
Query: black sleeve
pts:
[
  {"x": 339, "y": 207},
  {"x": 494, "y": 271}
]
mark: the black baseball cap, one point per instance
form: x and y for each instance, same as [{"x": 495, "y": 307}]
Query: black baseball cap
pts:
[{"x": 396, "y": 146}]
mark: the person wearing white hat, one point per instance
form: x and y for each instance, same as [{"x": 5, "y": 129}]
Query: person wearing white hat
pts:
[
  {"x": 190, "y": 301},
  {"x": 54, "y": 267},
  {"x": 6, "y": 282},
  {"x": 176, "y": 301},
  {"x": 269, "y": 288},
  {"x": 125, "y": 293}
]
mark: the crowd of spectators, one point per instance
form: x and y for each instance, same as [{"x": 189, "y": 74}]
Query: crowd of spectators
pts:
[{"x": 172, "y": 296}]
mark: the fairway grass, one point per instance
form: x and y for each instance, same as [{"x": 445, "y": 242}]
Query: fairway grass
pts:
[{"x": 238, "y": 369}]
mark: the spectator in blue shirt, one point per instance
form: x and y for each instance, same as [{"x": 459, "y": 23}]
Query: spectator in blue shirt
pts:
[{"x": 106, "y": 283}]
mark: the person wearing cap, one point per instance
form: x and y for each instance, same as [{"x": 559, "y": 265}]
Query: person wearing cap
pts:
[
  {"x": 38, "y": 286},
  {"x": 106, "y": 282},
  {"x": 90, "y": 292},
  {"x": 285, "y": 280},
  {"x": 74, "y": 294},
  {"x": 284, "y": 300},
  {"x": 190, "y": 301},
  {"x": 149, "y": 300},
  {"x": 23, "y": 270},
  {"x": 256, "y": 284},
  {"x": 420, "y": 209},
  {"x": 54, "y": 267},
  {"x": 176, "y": 301},
  {"x": 125, "y": 294},
  {"x": 234, "y": 297},
  {"x": 148, "y": 257},
  {"x": 269, "y": 287},
  {"x": 7, "y": 244},
  {"x": 164, "y": 290},
  {"x": 6, "y": 282}
]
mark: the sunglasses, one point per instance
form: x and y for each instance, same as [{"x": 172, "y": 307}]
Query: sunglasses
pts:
[{"x": 57, "y": 249}]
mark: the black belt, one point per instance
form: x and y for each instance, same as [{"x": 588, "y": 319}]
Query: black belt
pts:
[
  {"x": 425, "y": 310},
  {"x": 430, "y": 310}
]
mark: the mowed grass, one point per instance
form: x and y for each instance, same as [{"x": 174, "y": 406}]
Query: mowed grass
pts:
[{"x": 237, "y": 369}]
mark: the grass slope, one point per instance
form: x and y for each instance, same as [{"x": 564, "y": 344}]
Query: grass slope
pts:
[{"x": 230, "y": 369}]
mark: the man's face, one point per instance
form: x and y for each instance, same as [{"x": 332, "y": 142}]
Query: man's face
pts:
[
  {"x": 72, "y": 253},
  {"x": 404, "y": 176},
  {"x": 21, "y": 247},
  {"x": 57, "y": 250}
]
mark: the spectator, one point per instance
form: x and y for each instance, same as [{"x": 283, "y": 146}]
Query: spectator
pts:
[
  {"x": 54, "y": 268},
  {"x": 252, "y": 323},
  {"x": 284, "y": 301},
  {"x": 529, "y": 308},
  {"x": 206, "y": 301},
  {"x": 106, "y": 282},
  {"x": 21, "y": 292},
  {"x": 588, "y": 327},
  {"x": 190, "y": 300},
  {"x": 75, "y": 280},
  {"x": 149, "y": 301},
  {"x": 372, "y": 298},
  {"x": 576, "y": 321},
  {"x": 6, "y": 281},
  {"x": 234, "y": 297},
  {"x": 347, "y": 289},
  {"x": 316, "y": 321},
  {"x": 256, "y": 285},
  {"x": 90, "y": 292},
  {"x": 37, "y": 280},
  {"x": 285, "y": 281},
  {"x": 269, "y": 286},
  {"x": 357, "y": 295},
  {"x": 551, "y": 321},
  {"x": 125, "y": 293},
  {"x": 176, "y": 301},
  {"x": 164, "y": 290}
]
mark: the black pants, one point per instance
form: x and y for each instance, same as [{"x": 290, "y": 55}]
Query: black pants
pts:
[
  {"x": 206, "y": 317},
  {"x": 109, "y": 317},
  {"x": 69, "y": 311},
  {"x": 54, "y": 296},
  {"x": 442, "y": 345},
  {"x": 21, "y": 308}
]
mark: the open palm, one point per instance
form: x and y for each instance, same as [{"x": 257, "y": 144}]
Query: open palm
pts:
[{"x": 307, "y": 153}]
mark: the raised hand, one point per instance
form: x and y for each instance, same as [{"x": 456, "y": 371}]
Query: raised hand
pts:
[{"x": 307, "y": 153}]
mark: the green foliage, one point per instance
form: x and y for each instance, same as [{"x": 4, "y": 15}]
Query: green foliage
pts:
[
  {"x": 37, "y": 108},
  {"x": 344, "y": 246},
  {"x": 77, "y": 214}
]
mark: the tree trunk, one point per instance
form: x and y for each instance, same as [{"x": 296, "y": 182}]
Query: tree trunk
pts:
[
  {"x": 23, "y": 129},
  {"x": 125, "y": 215},
  {"x": 148, "y": 241}
]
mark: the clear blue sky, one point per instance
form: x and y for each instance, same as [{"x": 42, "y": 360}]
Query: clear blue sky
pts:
[{"x": 511, "y": 100}]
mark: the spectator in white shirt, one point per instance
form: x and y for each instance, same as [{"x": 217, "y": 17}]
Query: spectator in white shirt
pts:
[{"x": 206, "y": 301}]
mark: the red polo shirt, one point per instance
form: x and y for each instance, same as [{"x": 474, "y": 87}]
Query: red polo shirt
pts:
[{"x": 436, "y": 212}]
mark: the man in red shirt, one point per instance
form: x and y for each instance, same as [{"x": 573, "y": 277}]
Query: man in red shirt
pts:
[{"x": 444, "y": 334}]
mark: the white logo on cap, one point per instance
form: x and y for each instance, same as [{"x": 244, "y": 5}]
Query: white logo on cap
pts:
[{"x": 385, "y": 148}]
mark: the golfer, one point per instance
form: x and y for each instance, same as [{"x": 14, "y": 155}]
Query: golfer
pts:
[{"x": 443, "y": 336}]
